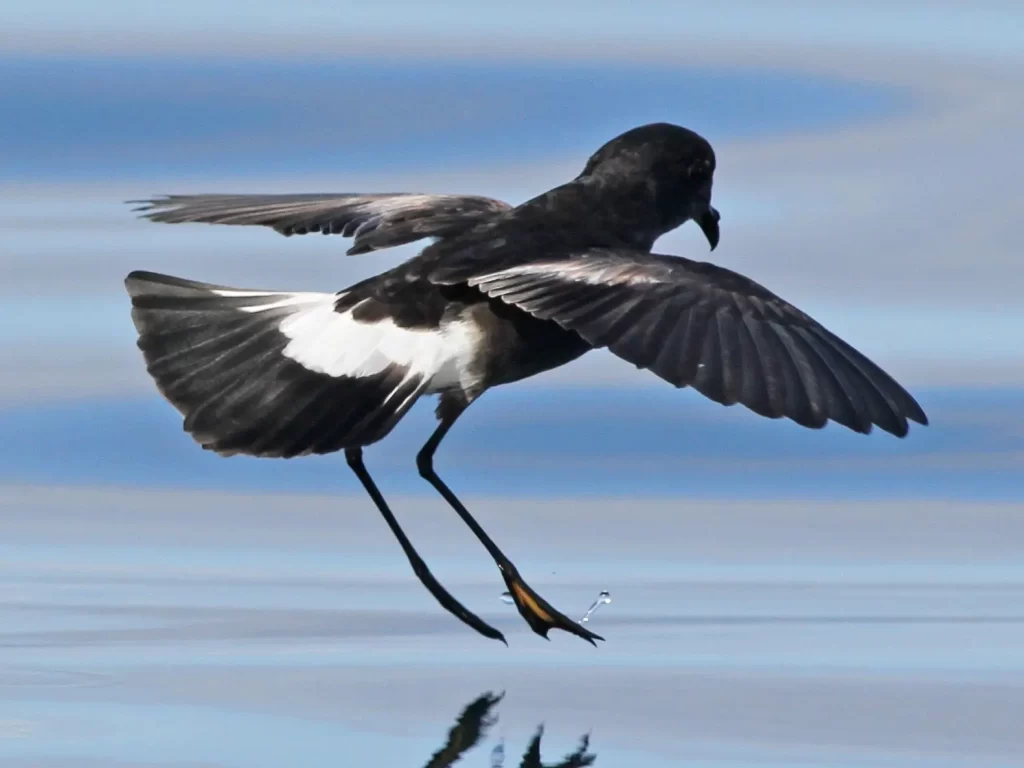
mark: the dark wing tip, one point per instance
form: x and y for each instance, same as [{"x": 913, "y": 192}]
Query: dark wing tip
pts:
[
  {"x": 900, "y": 431},
  {"x": 152, "y": 203},
  {"x": 910, "y": 412},
  {"x": 916, "y": 412}
]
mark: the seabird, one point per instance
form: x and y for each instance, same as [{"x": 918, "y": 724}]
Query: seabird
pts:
[{"x": 502, "y": 293}]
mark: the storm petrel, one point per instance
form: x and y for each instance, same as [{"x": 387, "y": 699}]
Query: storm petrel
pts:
[{"x": 502, "y": 293}]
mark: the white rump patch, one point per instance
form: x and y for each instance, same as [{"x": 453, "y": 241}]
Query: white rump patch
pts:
[{"x": 336, "y": 344}]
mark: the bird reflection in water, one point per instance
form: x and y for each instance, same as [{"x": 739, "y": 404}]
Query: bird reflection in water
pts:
[{"x": 470, "y": 727}]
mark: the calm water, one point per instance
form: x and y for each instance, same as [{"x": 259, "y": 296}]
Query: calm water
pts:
[
  {"x": 178, "y": 628},
  {"x": 563, "y": 441},
  {"x": 106, "y": 119},
  {"x": 780, "y": 597}
]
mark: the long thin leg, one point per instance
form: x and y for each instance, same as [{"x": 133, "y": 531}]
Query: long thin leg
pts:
[
  {"x": 537, "y": 611},
  {"x": 354, "y": 456}
]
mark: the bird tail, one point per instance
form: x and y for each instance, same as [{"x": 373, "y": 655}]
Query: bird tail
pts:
[{"x": 268, "y": 373}]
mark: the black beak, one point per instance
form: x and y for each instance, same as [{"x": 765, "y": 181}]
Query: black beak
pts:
[{"x": 708, "y": 222}]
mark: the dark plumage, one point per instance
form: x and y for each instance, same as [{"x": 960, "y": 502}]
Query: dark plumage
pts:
[
  {"x": 372, "y": 221},
  {"x": 501, "y": 294},
  {"x": 696, "y": 324}
]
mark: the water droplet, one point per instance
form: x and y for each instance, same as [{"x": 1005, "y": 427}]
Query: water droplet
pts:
[
  {"x": 506, "y": 598},
  {"x": 603, "y": 598}
]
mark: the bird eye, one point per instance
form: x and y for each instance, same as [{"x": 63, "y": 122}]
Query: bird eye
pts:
[{"x": 702, "y": 168}]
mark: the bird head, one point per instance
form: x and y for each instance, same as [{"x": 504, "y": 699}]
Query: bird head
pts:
[{"x": 666, "y": 168}]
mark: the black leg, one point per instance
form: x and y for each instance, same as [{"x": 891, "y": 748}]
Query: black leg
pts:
[
  {"x": 537, "y": 611},
  {"x": 354, "y": 456}
]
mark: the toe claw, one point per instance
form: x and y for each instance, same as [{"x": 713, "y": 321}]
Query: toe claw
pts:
[{"x": 540, "y": 614}]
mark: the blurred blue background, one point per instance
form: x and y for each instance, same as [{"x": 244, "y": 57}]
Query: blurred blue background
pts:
[{"x": 869, "y": 166}]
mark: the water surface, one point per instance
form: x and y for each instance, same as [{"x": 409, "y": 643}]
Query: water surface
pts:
[
  {"x": 109, "y": 118},
  {"x": 781, "y": 597}
]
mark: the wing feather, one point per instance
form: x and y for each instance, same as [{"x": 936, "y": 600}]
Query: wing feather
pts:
[
  {"x": 276, "y": 374},
  {"x": 375, "y": 221},
  {"x": 701, "y": 325}
]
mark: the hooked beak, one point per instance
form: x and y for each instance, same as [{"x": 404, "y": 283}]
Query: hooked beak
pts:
[{"x": 708, "y": 223}]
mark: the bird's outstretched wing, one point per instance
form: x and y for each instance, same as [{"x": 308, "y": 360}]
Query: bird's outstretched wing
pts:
[
  {"x": 374, "y": 221},
  {"x": 701, "y": 325}
]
